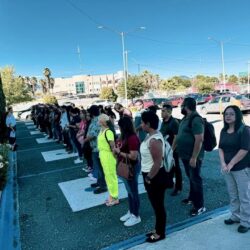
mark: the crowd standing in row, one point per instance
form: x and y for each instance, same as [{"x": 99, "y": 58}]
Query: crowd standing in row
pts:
[{"x": 91, "y": 133}]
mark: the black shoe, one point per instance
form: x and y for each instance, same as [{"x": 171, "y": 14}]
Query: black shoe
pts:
[
  {"x": 100, "y": 190},
  {"x": 153, "y": 239},
  {"x": 175, "y": 192},
  {"x": 150, "y": 233},
  {"x": 230, "y": 222},
  {"x": 94, "y": 185},
  {"x": 197, "y": 211},
  {"x": 242, "y": 229},
  {"x": 187, "y": 202}
]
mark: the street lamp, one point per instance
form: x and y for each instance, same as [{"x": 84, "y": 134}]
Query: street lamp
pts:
[
  {"x": 122, "y": 34},
  {"x": 221, "y": 43}
]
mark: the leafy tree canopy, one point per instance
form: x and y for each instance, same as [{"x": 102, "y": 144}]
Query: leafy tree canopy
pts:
[
  {"x": 135, "y": 87},
  {"x": 14, "y": 88},
  {"x": 108, "y": 93},
  {"x": 49, "y": 99}
]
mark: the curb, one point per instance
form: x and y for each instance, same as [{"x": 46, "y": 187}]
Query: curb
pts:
[
  {"x": 9, "y": 216},
  {"x": 140, "y": 239}
]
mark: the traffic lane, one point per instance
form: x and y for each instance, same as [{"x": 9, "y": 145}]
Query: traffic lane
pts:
[{"x": 44, "y": 204}]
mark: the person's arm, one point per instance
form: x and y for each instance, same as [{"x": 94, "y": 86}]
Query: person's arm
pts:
[
  {"x": 174, "y": 144},
  {"x": 237, "y": 158},
  {"x": 155, "y": 147},
  {"x": 222, "y": 160},
  {"x": 198, "y": 140}
]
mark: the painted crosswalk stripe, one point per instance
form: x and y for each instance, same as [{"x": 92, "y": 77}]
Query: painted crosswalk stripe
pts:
[
  {"x": 35, "y": 132},
  {"x": 80, "y": 199},
  {"x": 56, "y": 155},
  {"x": 31, "y": 127},
  {"x": 43, "y": 140},
  {"x": 29, "y": 123}
]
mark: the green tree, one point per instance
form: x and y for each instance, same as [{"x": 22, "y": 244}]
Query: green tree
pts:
[
  {"x": 2, "y": 99},
  {"x": 33, "y": 82},
  {"x": 135, "y": 87},
  {"x": 205, "y": 84},
  {"x": 49, "y": 99},
  {"x": 14, "y": 88},
  {"x": 175, "y": 83},
  {"x": 108, "y": 93},
  {"x": 233, "y": 79},
  {"x": 150, "y": 81}
]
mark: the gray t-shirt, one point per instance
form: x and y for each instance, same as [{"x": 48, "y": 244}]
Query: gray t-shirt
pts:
[{"x": 231, "y": 143}]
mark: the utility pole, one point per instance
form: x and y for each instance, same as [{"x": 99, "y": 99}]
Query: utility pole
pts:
[
  {"x": 248, "y": 76},
  {"x": 80, "y": 59}
]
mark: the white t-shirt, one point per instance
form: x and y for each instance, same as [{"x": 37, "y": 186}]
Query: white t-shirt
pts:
[{"x": 147, "y": 161}]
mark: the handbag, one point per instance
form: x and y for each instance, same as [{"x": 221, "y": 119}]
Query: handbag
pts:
[{"x": 125, "y": 169}]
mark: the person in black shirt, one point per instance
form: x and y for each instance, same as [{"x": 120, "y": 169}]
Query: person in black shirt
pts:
[
  {"x": 234, "y": 148},
  {"x": 169, "y": 127}
]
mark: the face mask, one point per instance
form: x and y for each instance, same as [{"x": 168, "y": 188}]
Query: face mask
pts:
[{"x": 183, "y": 111}]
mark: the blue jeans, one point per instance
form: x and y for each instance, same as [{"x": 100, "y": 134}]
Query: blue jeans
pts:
[
  {"x": 97, "y": 170},
  {"x": 132, "y": 189},
  {"x": 195, "y": 181}
]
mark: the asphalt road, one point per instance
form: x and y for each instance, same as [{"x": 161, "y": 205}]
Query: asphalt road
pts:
[{"x": 47, "y": 221}]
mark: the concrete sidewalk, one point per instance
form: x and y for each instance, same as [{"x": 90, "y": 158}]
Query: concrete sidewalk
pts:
[{"x": 208, "y": 235}]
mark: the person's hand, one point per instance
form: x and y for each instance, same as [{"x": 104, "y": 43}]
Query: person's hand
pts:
[
  {"x": 224, "y": 167},
  {"x": 192, "y": 162},
  {"x": 116, "y": 150},
  {"x": 229, "y": 166}
]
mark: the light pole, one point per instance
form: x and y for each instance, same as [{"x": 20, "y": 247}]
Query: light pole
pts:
[
  {"x": 221, "y": 43},
  {"x": 248, "y": 76},
  {"x": 122, "y": 34}
]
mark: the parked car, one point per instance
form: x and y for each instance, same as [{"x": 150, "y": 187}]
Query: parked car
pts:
[
  {"x": 24, "y": 114},
  {"x": 159, "y": 101},
  {"x": 205, "y": 98},
  {"x": 147, "y": 103},
  {"x": 175, "y": 101},
  {"x": 247, "y": 95},
  {"x": 219, "y": 103},
  {"x": 104, "y": 103}
]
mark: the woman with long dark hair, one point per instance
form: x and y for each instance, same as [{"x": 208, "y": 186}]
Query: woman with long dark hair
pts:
[
  {"x": 234, "y": 155},
  {"x": 130, "y": 145}
]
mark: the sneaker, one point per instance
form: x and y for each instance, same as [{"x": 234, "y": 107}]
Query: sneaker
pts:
[
  {"x": 133, "y": 220},
  {"x": 100, "y": 190},
  {"x": 125, "y": 217},
  {"x": 197, "y": 211},
  {"x": 78, "y": 160},
  {"x": 230, "y": 222},
  {"x": 242, "y": 229},
  {"x": 93, "y": 179},
  {"x": 187, "y": 202},
  {"x": 94, "y": 185},
  {"x": 90, "y": 175}
]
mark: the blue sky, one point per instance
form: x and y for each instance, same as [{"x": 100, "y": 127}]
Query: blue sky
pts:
[{"x": 45, "y": 33}]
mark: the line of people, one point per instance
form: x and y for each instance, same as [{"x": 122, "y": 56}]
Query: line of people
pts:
[{"x": 141, "y": 141}]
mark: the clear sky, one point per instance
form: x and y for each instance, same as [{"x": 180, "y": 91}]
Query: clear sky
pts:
[{"x": 35, "y": 34}]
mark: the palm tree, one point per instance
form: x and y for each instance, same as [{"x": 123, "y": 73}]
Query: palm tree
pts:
[
  {"x": 44, "y": 87},
  {"x": 47, "y": 74},
  {"x": 52, "y": 83},
  {"x": 33, "y": 82}
]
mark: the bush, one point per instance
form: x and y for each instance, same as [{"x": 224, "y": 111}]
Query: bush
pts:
[
  {"x": 4, "y": 149},
  {"x": 50, "y": 99}
]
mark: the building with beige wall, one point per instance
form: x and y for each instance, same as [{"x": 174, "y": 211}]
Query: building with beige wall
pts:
[{"x": 86, "y": 84}]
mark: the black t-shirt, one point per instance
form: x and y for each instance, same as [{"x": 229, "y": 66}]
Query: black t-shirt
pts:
[
  {"x": 75, "y": 119},
  {"x": 170, "y": 128},
  {"x": 231, "y": 143}
]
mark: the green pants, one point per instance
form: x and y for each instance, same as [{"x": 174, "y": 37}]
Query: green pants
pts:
[{"x": 108, "y": 162}]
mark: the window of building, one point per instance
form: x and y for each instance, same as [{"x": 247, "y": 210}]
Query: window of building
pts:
[{"x": 80, "y": 87}]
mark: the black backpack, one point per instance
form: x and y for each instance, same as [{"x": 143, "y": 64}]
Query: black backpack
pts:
[{"x": 209, "y": 142}]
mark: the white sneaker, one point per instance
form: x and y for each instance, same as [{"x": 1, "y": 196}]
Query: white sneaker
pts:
[
  {"x": 90, "y": 175},
  {"x": 93, "y": 179},
  {"x": 125, "y": 217},
  {"x": 133, "y": 220},
  {"x": 78, "y": 160}
]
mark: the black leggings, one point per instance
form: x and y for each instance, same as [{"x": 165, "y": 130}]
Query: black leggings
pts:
[{"x": 156, "y": 193}]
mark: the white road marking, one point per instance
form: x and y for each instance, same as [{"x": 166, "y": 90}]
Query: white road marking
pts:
[
  {"x": 56, "y": 155},
  {"x": 31, "y": 127},
  {"x": 43, "y": 140},
  {"x": 29, "y": 123},
  {"x": 79, "y": 199},
  {"x": 35, "y": 132}
]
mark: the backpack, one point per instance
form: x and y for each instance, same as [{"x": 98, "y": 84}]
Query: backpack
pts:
[
  {"x": 168, "y": 158},
  {"x": 209, "y": 142}
]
